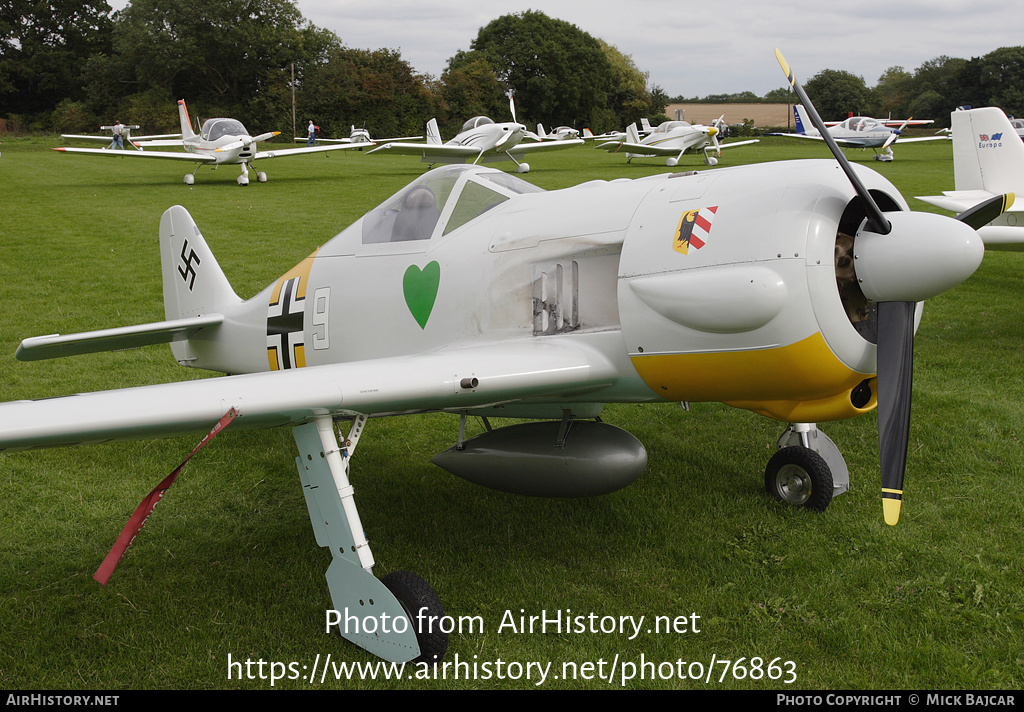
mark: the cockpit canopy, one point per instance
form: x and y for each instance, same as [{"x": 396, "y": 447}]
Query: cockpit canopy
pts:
[
  {"x": 863, "y": 123},
  {"x": 214, "y": 129},
  {"x": 670, "y": 126},
  {"x": 476, "y": 121},
  {"x": 413, "y": 212}
]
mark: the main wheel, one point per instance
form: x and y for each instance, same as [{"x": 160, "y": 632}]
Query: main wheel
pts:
[
  {"x": 424, "y": 609},
  {"x": 799, "y": 476}
]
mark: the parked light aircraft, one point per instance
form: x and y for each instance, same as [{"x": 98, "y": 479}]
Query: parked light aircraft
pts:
[
  {"x": 988, "y": 161},
  {"x": 358, "y": 135},
  {"x": 480, "y": 141},
  {"x": 673, "y": 139},
  {"x": 890, "y": 122},
  {"x": 559, "y": 133},
  {"x": 219, "y": 142},
  {"x": 856, "y": 132},
  {"x": 504, "y": 300},
  {"x": 126, "y": 135}
]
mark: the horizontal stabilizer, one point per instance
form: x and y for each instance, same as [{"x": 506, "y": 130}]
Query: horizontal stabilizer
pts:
[{"x": 38, "y": 348}]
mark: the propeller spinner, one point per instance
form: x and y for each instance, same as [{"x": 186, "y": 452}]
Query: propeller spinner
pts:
[{"x": 902, "y": 258}]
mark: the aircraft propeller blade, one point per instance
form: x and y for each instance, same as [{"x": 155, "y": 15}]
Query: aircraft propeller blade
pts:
[
  {"x": 892, "y": 138},
  {"x": 986, "y": 211},
  {"x": 895, "y": 364},
  {"x": 265, "y": 136},
  {"x": 902, "y": 259},
  {"x": 512, "y": 107},
  {"x": 879, "y": 224}
]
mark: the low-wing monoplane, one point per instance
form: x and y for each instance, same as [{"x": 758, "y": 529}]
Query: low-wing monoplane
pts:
[
  {"x": 359, "y": 135},
  {"x": 480, "y": 141},
  {"x": 856, "y": 132},
  {"x": 988, "y": 161},
  {"x": 219, "y": 142},
  {"x": 672, "y": 139},
  {"x": 503, "y": 300},
  {"x": 559, "y": 133}
]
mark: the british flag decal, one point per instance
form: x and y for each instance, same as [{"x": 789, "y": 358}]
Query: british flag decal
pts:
[{"x": 693, "y": 229}]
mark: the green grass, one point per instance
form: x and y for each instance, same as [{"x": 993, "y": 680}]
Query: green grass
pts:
[{"x": 228, "y": 564}]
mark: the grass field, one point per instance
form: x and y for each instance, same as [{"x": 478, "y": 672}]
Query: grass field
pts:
[{"x": 228, "y": 566}]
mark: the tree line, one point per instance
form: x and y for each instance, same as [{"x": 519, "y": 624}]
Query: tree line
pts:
[
  {"x": 932, "y": 91},
  {"x": 70, "y": 65}
]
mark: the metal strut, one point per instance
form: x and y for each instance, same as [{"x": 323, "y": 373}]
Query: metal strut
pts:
[{"x": 362, "y": 602}]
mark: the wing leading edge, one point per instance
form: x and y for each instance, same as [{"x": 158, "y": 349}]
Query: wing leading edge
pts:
[{"x": 452, "y": 379}]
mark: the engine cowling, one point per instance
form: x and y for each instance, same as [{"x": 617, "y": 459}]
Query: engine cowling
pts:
[{"x": 730, "y": 290}]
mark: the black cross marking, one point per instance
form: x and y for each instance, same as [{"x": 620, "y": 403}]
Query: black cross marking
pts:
[
  {"x": 189, "y": 270},
  {"x": 284, "y": 320}
]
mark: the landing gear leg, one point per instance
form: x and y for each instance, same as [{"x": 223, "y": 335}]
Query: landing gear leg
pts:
[
  {"x": 398, "y": 622},
  {"x": 807, "y": 470}
]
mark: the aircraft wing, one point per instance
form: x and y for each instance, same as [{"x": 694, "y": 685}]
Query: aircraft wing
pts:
[
  {"x": 535, "y": 147},
  {"x": 135, "y": 139},
  {"x": 851, "y": 142},
  {"x": 429, "y": 150},
  {"x": 641, "y": 148},
  {"x": 450, "y": 379},
  {"x": 309, "y": 149},
  {"x": 168, "y": 155},
  {"x": 924, "y": 138},
  {"x": 734, "y": 144}
]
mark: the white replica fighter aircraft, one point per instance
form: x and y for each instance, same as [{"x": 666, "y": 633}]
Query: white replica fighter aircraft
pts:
[
  {"x": 673, "y": 139},
  {"x": 220, "y": 141},
  {"x": 988, "y": 160},
  {"x": 856, "y": 132},
  {"x": 504, "y": 300},
  {"x": 126, "y": 135},
  {"x": 480, "y": 141}
]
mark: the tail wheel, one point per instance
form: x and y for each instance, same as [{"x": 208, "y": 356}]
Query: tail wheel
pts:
[
  {"x": 424, "y": 610},
  {"x": 799, "y": 476}
]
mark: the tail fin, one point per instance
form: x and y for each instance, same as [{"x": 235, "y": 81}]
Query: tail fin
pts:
[
  {"x": 186, "y": 123},
  {"x": 803, "y": 121},
  {"x": 987, "y": 153},
  {"x": 433, "y": 133},
  {"x": 632, "y": 135},
  {"x": 540, "y": 131},
  {"x": 645, "y": 124},
  {"x": 194, "y": 284}
]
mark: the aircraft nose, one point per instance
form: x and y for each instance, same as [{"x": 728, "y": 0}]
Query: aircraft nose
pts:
[
  {"x": 712, "y": 131},
  {"x": 924, "y": 255}
]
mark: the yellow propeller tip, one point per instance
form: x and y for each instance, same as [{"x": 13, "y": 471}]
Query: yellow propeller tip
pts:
[
  {"x": 891, "y": 510},
  {"x": 784, "y": 64}
]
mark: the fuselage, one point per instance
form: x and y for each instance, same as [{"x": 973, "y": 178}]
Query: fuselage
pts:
[
  {"x": 717, "y": 286},
  {"x": 482, "y": 133}
]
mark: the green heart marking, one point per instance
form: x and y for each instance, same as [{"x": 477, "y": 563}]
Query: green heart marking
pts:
[{"x": 420, "y": 287}]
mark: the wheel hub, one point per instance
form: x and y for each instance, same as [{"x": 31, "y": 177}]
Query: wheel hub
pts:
[{"x": 794, "y": 484}]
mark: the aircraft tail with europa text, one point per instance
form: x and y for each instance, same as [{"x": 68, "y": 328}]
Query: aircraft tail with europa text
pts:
[{"x": 988, "y": 160}]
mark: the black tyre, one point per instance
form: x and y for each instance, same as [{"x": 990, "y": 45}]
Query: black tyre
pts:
[
  {"x": 799, "y": 476},
  {"x": 424, "y": 609}
]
